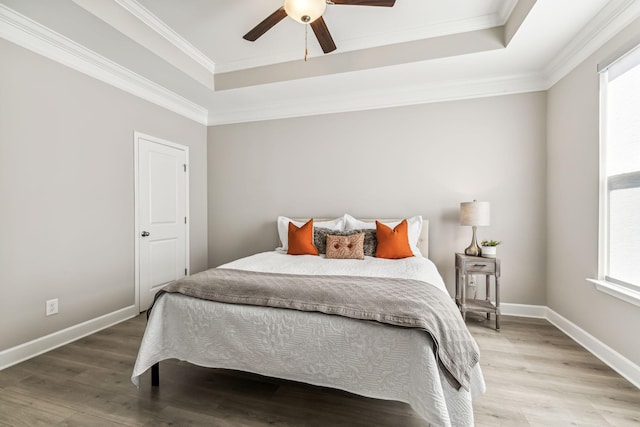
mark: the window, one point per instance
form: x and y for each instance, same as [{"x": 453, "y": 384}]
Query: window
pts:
[{"x": 620, "y": 178}]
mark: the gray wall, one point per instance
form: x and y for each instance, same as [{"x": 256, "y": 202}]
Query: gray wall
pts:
[
  {"x": 394, "y": 162},
  {"x": 573, "y": 143},
  {"x": 67, "y": 193}
]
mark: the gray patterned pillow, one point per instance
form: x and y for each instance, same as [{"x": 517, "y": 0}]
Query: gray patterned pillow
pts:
[{"x": 370, "y": 241}]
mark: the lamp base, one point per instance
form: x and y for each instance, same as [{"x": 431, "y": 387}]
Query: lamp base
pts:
[{"x": 473, "y": 249}]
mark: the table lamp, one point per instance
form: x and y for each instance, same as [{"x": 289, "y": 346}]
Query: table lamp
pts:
[{"x": 474, "y": 214}]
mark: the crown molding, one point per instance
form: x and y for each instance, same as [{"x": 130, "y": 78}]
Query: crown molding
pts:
[
  {"x": 388, "y": 98},
  {"x": 34, "y": 36},
  {"x": 31, "y": 35},
  {"x": 612, "y": 19},
  {"x": 159, "y": 26}
]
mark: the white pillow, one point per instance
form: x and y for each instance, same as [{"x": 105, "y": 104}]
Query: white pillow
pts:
[
  {"x": 283, "y": 228},
  {"x": 415, "y": 228}
]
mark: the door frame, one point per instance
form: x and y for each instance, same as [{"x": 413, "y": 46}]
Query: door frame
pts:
[{"x": 137, "y": 136}]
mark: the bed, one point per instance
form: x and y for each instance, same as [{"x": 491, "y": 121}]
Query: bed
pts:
[{"x": 359, "y": 356}]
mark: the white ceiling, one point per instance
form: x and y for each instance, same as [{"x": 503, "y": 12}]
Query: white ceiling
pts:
[
  {"x": 417, "y": 51},
  {"x": 216, "y": 27}
]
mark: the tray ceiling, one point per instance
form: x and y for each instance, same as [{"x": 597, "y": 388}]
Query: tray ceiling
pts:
[{"x": 417, "y": 51}]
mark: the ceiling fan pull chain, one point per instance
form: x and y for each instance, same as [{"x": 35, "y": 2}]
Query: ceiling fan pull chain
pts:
[{"x": 306, "y": 50}]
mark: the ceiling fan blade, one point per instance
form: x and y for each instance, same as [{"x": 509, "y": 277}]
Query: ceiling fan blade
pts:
[
  {"x": 322, "y": 34},
  {"x": 384, "y": 3},
  {"x": 265, "y": 25}
]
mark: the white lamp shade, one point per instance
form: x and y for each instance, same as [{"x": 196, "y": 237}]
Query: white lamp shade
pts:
[
  {"x": 475, "y": 213},
  {"x": 305, "y": 11}
]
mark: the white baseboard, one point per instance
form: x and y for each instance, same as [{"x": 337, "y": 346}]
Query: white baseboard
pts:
[
  {"x": 612, "y": 358},
  {"x": 609, "y": 356},
  {"x": 524, "y": 310},
  {"x": 57, "y": 339}
]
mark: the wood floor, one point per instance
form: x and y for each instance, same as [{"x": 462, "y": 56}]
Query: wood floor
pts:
[{"x": 535, "y": 375}]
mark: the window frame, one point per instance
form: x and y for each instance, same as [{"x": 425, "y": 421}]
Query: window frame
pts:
[{"x": 625, "y": 291}]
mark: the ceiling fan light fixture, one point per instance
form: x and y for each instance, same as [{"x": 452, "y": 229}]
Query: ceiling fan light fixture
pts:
[{"x": 305, "y": 11}]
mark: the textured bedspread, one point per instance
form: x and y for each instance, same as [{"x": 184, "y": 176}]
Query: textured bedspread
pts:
[
  {"x": 367, "y": 358},
  {"x": 398, "y": 302}
]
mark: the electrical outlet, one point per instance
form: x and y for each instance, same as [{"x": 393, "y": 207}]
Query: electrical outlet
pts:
[
  {"x": 52, "y": 307},
  {"x": 472, "y": 280},
  {"x": 471, "y": 287}
]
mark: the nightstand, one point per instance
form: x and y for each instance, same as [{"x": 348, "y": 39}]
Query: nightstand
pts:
[{"x": 490, "y": 267}]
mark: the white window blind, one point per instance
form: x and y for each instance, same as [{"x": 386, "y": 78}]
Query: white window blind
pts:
[{"x": 620, "y": 171}]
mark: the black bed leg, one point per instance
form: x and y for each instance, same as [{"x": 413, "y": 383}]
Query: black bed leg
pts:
[{"x": 155, "y": 375}]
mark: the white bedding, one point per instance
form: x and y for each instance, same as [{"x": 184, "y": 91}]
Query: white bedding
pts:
[{"x": 365, "y": 358}]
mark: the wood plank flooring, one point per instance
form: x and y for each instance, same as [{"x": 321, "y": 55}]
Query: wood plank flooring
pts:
[{"x": 535, "y": 375}]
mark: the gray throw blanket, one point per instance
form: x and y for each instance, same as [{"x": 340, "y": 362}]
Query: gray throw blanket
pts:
[{"x": 399, "y": 302}]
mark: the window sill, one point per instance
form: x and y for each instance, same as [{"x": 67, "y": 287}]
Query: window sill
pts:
[{"x": 629, "y": 295}]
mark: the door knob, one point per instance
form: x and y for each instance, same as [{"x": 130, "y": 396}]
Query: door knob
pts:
[{"x": 145, "y": 234}]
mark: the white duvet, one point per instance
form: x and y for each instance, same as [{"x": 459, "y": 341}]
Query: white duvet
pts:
[{"x": 365, "y": 358}]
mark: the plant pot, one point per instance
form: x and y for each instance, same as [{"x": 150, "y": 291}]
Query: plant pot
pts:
[{"x": 489, "y": 251}]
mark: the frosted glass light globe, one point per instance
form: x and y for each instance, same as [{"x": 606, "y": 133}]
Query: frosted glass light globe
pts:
[{"x": 305, "y": 11}]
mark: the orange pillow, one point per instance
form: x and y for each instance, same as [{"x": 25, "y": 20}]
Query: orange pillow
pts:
[
  {"x": 301, "y": 239},
  {"x": 393, "y": 244}
]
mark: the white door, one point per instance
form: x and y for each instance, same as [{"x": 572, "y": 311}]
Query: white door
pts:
[{"x": 161, "y": 206}]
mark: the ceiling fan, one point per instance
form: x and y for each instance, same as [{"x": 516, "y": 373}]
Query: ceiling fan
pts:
[{"x": 310, "y": 12}]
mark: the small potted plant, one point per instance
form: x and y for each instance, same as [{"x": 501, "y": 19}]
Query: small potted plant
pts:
[{"x": 489, "y": 248}]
